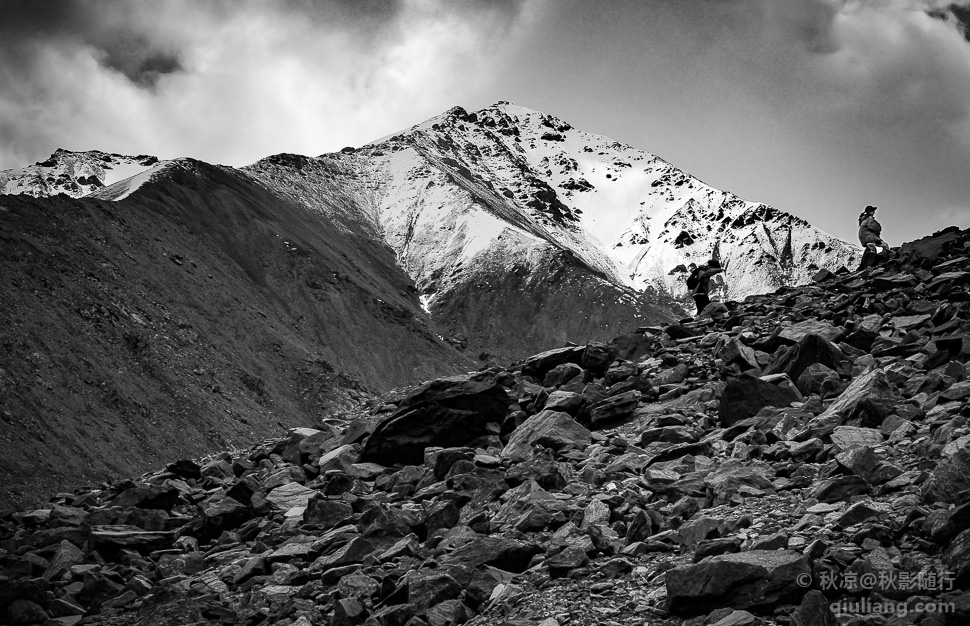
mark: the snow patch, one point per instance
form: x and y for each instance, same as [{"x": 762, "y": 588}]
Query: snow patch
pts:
[{"x": 126, "y": 187}]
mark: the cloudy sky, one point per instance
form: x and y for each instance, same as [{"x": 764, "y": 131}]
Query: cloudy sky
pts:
[{"x": 817, "y": 107}]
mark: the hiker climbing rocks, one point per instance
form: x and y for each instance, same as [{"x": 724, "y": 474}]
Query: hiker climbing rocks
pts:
[
  {"x": 870, "y": 230},
  {"x": 699, "y": 282},
  {"x": 876, "y": 250}
]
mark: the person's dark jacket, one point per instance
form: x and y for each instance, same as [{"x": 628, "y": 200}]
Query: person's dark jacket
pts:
[{"x": 870, "y": 231}]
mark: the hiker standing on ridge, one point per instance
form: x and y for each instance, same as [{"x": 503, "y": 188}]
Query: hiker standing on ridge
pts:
[
  {"x": 699, "y": 282},
  {"x": 870, "y": 230}
]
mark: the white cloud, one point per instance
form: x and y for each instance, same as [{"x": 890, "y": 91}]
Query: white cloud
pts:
[{"x": 246, "y": 79}]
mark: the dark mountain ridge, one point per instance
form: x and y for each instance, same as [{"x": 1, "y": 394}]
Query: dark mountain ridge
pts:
[{"x": 202, "y": 312}]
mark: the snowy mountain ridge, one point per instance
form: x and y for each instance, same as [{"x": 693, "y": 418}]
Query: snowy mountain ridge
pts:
[
  {"x": 628, "y": 214},
  {"x": 73, "y": 173},
  {"x": 463, "y": 196}
]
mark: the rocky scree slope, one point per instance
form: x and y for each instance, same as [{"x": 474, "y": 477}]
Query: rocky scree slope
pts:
[
  {"x": 198, "y": 313},
  {"x": 757, "y": 466}
]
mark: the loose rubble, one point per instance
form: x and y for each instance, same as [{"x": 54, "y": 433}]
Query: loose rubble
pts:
[{"x": 797, "y": 458}]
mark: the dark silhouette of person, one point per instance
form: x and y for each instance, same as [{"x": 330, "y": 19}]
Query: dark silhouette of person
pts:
[
  {"x": 701, "y": 279},
  {"x": 870, "y": 231},
  {"x": 876, "y": 250}
]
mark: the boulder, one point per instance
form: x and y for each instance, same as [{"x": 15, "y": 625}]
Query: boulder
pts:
[
  {"x": 538, "y": 365},
  {"x": 846, "y": 437},
  {"x": 504, "y": 553},
  {"x": 615, "y": 407},
  {"x": 797, "y": 332},
  {"x": 950, "y": 480},
  {"x": 327, "y": 513},
  {"x": 869, "y": 398},
  {"x": 552, "y": 429},
  {"x": 757, "y": 579},
  {"x": 957, "y": 559},
  {"x": 818, "y": 379},
  {"x": 736, "y": 478},
  {"x": 746, "y": 395},
  {"x": 567, "y": 561},
  {"x": 810, "y": 350},
  {"x": 814, "y": 611},
  {"x": 597, "y": 357},
  {"x": 839, "y": 488},
  {"x": 447, "y": 412},
  {"x": 735, "y": 352},
  {"x": 289, "y": 496},
  {"x": 632, "y": 346},
  {"x": 427, "y": 588}
]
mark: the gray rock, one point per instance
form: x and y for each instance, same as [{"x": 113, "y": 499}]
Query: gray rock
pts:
[
  {"x": 504, "y": 553},
  {"x": 427, "y": 588},
  {"x": 811, "y": 350},
  {"x": 746, "y": 395},
  {"x": 290, "y": 496},
  {"x": 615, "y": 407},
  {"x": 797, "y": 332},
  {"x": 818, "y": 379},
  {"x": 538, "y": 365},
  {"x": 839, "y": 488},
  {"x": 846, "y": 437},
  {"x": 957, "y": 559},
  {"x": 447, "y": 412},
  {"x": 551, "y": 428},
  {"x": 327, "y": 513},
  {"x": 352, "y": 552},
  {"x": 869, "y": 397},
  {"x": 950, "y": 479},
  {"x": 568, "y": 560},
  {"x": 814, "y": 611},
  {"x": 562, "y": 374},
  {"x": 733, "y": 351},
  {"x": 738, "y": 618},
  {"x": 755, "y": 579}
]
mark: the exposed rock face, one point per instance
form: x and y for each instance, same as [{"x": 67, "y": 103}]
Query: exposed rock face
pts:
[
  {"x": 171, "y": 325},
  {"x": 659, "y": 516}
]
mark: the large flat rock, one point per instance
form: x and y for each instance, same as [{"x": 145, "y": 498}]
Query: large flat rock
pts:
[{"x": 755, "y": 579}]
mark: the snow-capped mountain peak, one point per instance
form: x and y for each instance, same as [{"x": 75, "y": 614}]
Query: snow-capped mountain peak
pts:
[
  {"x": 627, "y": 213},
  {"x": 509, "y": 217}
]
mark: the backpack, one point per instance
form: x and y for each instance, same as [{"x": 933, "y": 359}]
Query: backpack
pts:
[{"x": 694, "y": 279}]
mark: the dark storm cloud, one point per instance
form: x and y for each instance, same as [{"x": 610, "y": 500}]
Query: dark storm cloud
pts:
[
  {"x": 959, "y": 13},
  {"x": 124, "y": 46},
  {"x": 137, "y": 58}
]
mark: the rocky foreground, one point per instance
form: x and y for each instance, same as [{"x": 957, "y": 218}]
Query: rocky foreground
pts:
[{"x": 798, "y": 458}]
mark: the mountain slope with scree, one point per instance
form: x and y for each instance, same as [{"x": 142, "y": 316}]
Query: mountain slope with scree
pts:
[{"x": 799, "y": 458}]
